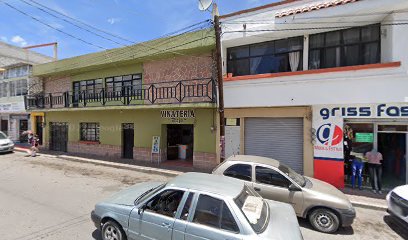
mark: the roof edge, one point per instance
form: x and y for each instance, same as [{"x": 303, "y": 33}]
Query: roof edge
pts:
[{"x": 259, "y": 8}]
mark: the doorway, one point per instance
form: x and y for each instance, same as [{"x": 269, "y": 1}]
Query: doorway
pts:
[
  {"x": 4, "y": 126},
  {"x": 128, "y": 140},
  {"x": 58, "y": 136},
  {"x": 39, "y": 128},
  {"x": 23, "y": 127},
  {"x": 180, "y": 142},
  {"x": 393, "y": 148}
]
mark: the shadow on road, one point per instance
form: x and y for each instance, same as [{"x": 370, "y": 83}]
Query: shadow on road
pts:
[
  {"x": 397, "y": 226},
  {"x": 342, "y": 230},
  {"x": 97, "y": 235}
]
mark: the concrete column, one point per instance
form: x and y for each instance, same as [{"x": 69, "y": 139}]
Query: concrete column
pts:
[{"x": 306, "y": 52}]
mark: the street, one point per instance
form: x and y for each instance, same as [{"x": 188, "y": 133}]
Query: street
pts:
[{"x": 50, "y": 198}]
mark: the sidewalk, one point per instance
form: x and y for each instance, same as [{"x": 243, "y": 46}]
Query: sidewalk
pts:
[{"x": 361, "y": 199}]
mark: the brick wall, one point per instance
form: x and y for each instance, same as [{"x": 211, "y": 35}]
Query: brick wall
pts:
[
  {"x": 57, "y": 84},
  {"x": 199, "y": 69},
  {"x": 205, "y": 161}
]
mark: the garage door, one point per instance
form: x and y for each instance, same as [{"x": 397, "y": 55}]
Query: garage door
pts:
[{"x": 278, "y": 138}]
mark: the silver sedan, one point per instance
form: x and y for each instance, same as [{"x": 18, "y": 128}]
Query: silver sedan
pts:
[{"x": 194, "y": 206}]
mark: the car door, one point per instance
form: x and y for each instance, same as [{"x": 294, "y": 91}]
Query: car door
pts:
[
  {"x": 212, "y": 220},
  {"x": 270, "y": 183},
  {"x": 156, "y": 220},
  {"x": 181, "y": 221}
]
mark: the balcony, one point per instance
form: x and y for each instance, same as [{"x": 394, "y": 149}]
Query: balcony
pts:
[{"x": 177, "y": 92}]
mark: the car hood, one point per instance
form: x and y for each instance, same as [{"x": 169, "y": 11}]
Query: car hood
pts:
[
  {"x": 128, "y": 196},
  {"x": 4, "y": 141},
  {"x": 326, "y": 188},
  {"x": 283, "y": 223},
  {"x": 402, "y": 191}
]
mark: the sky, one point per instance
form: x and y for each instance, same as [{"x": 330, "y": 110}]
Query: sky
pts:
[{"x": 135, "y": 20}]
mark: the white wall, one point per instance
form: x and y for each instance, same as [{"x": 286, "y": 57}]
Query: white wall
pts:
[{"x": 383, "y": 85}]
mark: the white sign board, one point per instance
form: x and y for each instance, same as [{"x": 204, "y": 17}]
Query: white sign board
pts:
[
  {"x": 328, "y": 137},
  {"x": 156, "y": 144},
  {"x": 12, "y": 107}
]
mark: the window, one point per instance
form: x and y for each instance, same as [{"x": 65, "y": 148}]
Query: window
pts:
[
  {"x": 18, "y": 87},
  {"x": 268, "y": 57},
  {"x": 186, "y": 208},
  {"x": 349, "y": 47},
  {"x": 214, "y": 213},
  {"x": 116, "y": 84},
  {"x": 271, "y": 177},
  {"x": 240, "y": 171},
  {"x": 3, "y": 89},
  {"x": 165, "y": 203},
  {"x": 248, "y": 208},
  {"x": 90, "y": 132},
  {"x": 90, "y": 87},
  {"x": 16, "y": 72}
]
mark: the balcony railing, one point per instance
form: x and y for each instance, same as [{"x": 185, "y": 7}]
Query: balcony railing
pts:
[{"x": 185, "y": 91}]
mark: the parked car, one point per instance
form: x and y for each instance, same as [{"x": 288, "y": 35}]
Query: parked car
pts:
[
  {"x": 321, "y": 203},
  {"x": 6, "y": 145},
  {"x": 397, "y": 201},
  {"x": 194, "y": 206}
]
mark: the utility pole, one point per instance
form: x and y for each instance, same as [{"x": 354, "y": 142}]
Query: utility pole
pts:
[{"x": 220, "y": 81}]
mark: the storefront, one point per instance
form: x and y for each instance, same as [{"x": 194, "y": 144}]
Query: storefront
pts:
[
  {"x": 281, "y": 133},
  {"x": 342, "y": 132},
  {"x": 156, "y": 135}
]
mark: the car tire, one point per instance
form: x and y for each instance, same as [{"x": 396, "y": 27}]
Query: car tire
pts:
[
  {"x": 112, "y": 231},
  {"x": 324, "y": 220}
]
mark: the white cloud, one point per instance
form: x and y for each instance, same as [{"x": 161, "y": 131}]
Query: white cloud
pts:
[
  {"x": 19, "y": 40},
  {"x": 113, "y": 20},
  {"x": 3, "y": 38}
]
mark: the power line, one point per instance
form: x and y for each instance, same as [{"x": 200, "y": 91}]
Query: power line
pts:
[
  {"x": 74, "y": 24},
  {"x": 83, "y": 23},
  {"x": 50, "y": 26}
]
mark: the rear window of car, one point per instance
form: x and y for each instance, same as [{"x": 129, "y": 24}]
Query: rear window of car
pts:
[{"x": 254, "y": 208}]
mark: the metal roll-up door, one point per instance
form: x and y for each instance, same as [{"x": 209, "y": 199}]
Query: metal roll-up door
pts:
[{"x": 277, "y": 138}]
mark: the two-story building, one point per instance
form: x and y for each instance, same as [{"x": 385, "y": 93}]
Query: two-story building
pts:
[
  {"x": 15, "y": 82},
  {"x": 153, "y": 101},
  {"x": 302, "y": 75}
]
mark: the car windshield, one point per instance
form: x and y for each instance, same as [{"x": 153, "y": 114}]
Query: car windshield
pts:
[
  {"x": 148, "y": 193},
  {"x": 255, "y": 209},
  {"x": 2, "y": 136},
  {"x": 299, "y": 179}
]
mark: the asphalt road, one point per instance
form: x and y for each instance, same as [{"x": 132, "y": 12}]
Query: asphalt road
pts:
[{"x": 48, "y": 198}]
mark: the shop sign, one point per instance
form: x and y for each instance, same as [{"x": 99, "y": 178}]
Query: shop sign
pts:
[
  {"x": 328, "y": 138},
  {"x": 12, "y": 107},
  {"x": 381, "y": 110},
  {"x": 364, "y": 137},
  {"x": 156, "y": 144},
  {"x": 177, "y": 116}
]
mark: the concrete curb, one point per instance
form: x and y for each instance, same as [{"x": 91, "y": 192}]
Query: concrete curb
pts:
[
  {"x": 165, "y": 172},
  {"x": 369, "y": 206},
  {"x": 169, "y": 173}
]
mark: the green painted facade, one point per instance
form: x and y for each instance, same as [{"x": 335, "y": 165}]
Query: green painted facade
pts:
[{"x": 148, "y": 123}]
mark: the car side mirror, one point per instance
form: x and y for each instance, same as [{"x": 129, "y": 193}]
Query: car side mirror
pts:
[
  {"x": 141, "y": 209},
  {"x": 294, "y": 188}
]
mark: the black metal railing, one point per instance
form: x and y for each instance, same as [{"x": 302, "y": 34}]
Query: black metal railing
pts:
[{"x": 185, "y": 91}]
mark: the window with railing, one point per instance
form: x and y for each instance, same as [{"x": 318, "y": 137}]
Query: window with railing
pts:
[
  {"x": 133, "y": 82},
  {"x": 348, "y": 47},
  {"x": 89, "y": 87},
  {"x": 285, "y": 55},
  {"x": 89, "y": 132}
]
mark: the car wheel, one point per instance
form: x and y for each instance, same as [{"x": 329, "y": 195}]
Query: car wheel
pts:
[
  {"x": 324, "y": 220},
  {"x": 112, "y": 231}
]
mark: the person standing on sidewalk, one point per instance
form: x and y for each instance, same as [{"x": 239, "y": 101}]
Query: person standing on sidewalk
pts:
[
  {"x": 357, "y": 166},
  {"x": 34, "y": 145},
  {"x": 375, "y": 168}
]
